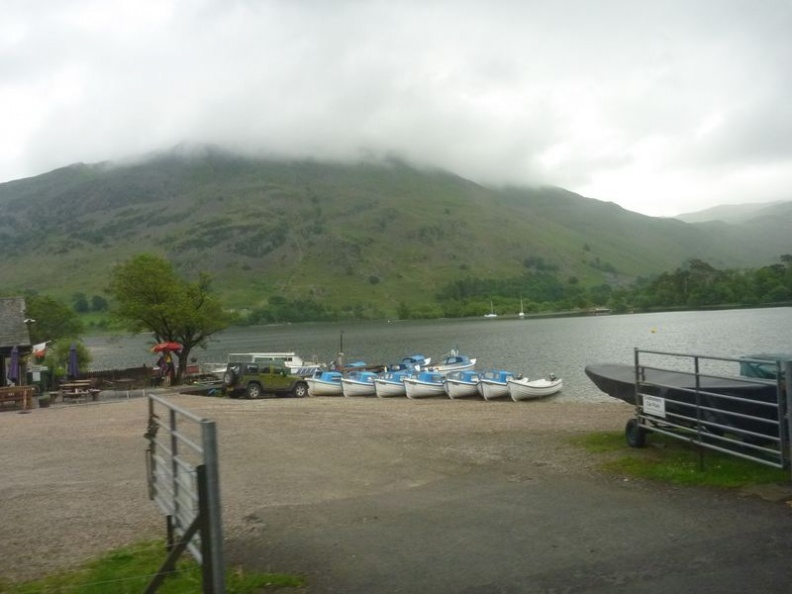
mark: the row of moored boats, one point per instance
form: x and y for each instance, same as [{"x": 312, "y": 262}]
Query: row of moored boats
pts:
[{"x": 414, "y": 377}]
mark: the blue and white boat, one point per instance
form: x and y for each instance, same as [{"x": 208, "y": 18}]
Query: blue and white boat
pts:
[
  {"x": 391, "y": 383},
  {"x": 453, "y": 361},
  {"x": 459, "y": 384},
  {"x": 525, "y": 389},
  {"x": 416, "y": 362},
  {"x": 425, "y": 385},
  {"x": 494, "y": 383},
  {"x": 325, "y": 383},
  {"x": 359, "y": 383}
]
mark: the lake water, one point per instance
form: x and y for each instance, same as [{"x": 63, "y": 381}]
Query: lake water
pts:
[{"x": 533, "y": 347}]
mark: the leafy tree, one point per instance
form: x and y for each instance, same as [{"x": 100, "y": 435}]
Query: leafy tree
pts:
[
  {"x": 776, "y": 294},
  {"x": 98, "y": 303},
  {"x": 297, "y": 310},
  {"x": 698, "y": 284},
  {"x": 57, "y": 356},
  {"x": 53, "y": 320},
  {"x": 149, "y": 296},
  {"x": 80, "y": 302}
]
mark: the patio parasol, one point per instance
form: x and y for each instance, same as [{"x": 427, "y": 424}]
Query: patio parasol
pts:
[
  {"x": 72, "y": 368},
  {"x": 166, "y": 346},
  {"x": 13, "y": 367}
]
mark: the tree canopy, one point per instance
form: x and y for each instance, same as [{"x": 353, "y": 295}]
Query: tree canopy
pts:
[
  {"x": 53, "y": 320},
  {"x": 149, "y": 296},
  {"x": 694, "y": 284}
]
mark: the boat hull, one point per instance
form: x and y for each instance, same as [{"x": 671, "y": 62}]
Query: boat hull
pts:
[
  {"x": 419, "y": 389},
  {"x": 446, "y": 369},
  {"x": 618, "y": 380},
  {"x": 322, "y": 388},
  {"x": 460, "y": 389},
  {"x": 747, "y": 403},
  {"x": 356, "y": 388},
  {"x": 491, "y": 390},
  {"x": 386, "y": 389},
  {"x": 523, "y": 389}
]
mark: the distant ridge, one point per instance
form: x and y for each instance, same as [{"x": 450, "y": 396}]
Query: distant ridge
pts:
[{"x": 729, "y": 213}]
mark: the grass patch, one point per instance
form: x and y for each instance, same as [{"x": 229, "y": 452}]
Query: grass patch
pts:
[
  {"x": 129, "y": 570},
  {"x": 677, "y": 462}
]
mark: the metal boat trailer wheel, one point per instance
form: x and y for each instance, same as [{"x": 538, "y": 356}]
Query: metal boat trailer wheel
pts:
[{"x": 636, "y": 435}]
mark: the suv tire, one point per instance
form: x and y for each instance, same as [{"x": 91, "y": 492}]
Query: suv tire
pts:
[
  {"x": 253, "y": 390},
  {"x": 300, "y": 390}
]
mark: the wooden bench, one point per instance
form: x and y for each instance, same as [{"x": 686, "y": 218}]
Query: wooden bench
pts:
[
  {"x": 18, "y": 395},
  {"x": 77, "y": 389},
  {"x": 123, "y": 384}
]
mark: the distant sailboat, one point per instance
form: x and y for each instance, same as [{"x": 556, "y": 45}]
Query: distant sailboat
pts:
[
  {"x": 522, "y": 309},
  {"x": 492, "y": 313}
]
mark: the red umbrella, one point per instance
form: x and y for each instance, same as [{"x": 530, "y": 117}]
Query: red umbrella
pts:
[{"x": 166, "y": 346}]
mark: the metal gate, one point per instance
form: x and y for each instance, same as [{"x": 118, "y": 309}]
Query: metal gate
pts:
[
  {"x": 182, "y": 471},
  {"x": 711, "y": 402}
]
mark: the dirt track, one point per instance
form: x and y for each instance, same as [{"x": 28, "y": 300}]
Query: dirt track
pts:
[
  {"x": 394, "y": 497},
  {"x": 74, "y": 478}
]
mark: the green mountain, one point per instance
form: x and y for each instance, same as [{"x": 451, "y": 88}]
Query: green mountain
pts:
[{"x": 344, "y": 234}]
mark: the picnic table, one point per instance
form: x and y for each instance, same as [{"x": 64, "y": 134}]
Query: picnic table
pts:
[{"x": 75, "y": 389}]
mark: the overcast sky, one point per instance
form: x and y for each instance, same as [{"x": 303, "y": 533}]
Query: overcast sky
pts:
[{"x": 662, "y": 107}]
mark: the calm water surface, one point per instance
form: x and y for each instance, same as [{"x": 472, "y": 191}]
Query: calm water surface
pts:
[{"x": 563, "y": 346}]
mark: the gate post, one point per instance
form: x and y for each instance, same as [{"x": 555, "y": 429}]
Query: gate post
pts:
[
  {"x": 214, "y": 566},
  {"x": 786, "y": 427}
]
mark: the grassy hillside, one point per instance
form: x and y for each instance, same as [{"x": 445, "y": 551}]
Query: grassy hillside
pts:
[{"x": 370, "y": 233}]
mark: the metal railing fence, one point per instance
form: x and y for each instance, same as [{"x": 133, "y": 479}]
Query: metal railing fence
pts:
[{"x": 700, "y": 400}]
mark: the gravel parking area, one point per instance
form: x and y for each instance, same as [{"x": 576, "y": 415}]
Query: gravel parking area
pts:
[{"x": 74, "y": 486}]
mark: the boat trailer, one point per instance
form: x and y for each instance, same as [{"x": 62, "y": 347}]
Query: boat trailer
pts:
[{"x": 701, "y": 400}]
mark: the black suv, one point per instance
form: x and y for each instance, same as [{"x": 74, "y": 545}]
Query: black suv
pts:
[{"x": 262, "y": 377}]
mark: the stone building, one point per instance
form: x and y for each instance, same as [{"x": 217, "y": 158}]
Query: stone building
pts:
[{"x": 14, "y": 332}]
